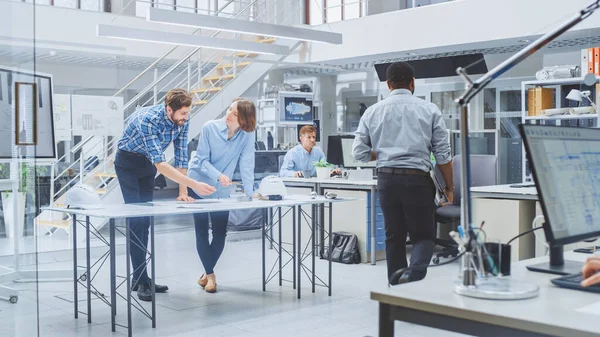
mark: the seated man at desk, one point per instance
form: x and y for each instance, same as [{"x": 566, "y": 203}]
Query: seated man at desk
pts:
[{"x": 301, "y": 158}]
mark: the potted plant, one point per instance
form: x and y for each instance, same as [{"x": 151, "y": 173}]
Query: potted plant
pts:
[{"x": 323, "y": 168}]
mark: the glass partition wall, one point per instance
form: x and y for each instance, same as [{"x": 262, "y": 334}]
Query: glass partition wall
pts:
[{"x": 24, "y": 98}]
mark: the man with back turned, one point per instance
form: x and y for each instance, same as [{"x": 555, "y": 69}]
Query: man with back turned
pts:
[{"x": 401, "y": 132}]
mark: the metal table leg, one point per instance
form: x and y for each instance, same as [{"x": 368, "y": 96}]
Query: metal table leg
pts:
[
  {"x": 386, "y": 323},
  {"x": 75, "y": 276},
  {"x": 373, "y": 225},
  {"x": 299, "y": 250},
  {"x": 280, "y": 256},
  {"x": 320, "y": 191},
  {"x": 113, "y": 274},
  {"x": 128, "y": 274},
  {"x": 88, "y": 274},
  {"x": 153, "y": 273},
  {"x": 330, "y": 243},
  {"x": 294, "y": 245},
  {"x": 270, "y": 222},
  {"x": 264, "y": 232},
  {"x": 312, "y": 242}
]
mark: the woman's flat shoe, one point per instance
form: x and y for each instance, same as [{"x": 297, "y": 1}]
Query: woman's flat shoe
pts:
[
  {"x": 203, "y": 280},
  {"x": 211, "y": 285}
]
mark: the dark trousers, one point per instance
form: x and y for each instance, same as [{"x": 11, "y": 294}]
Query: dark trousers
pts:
[
  {"x": 136, "y": 177},
  {"x": 210, "y": 251},
  {"x": 407, "y": 202}
]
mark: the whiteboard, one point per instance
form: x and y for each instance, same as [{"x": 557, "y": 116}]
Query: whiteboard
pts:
[
  {"x": 62, "y": 117},
  {"x": 45, "y": 147},
  {"x": 97, "y": 115}
]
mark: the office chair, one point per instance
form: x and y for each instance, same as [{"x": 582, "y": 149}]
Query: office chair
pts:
[
  {"x": 484, "y": 172},
  {"x": 260, "y": 145},
  {"x": 280, "y": 161}
]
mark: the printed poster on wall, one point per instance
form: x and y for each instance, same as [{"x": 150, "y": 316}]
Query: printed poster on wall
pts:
[
  {"x": 62, "y": 117},
  {"x": 97, "y": 115}
]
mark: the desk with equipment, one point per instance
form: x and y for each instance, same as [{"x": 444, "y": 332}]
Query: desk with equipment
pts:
[
  {"x": 565, "y": 163},
  {"x": 356, "y": 183}
]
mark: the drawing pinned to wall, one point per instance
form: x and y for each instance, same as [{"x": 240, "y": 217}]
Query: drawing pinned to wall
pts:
[
  {"x": 62, "y": 117},
  {"x": 97, "y": 115},
  {"x": 35, "y": 89}
]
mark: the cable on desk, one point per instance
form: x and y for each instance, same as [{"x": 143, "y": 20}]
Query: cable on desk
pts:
[{"x": 524, "y": 233}]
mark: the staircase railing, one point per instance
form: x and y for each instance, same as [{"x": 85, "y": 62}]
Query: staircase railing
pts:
[{"x": 174, "y": 76}]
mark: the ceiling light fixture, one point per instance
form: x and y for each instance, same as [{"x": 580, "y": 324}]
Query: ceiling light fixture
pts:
[
  {"x": 241, "y": 26},
  {"x": 135, "y": 34}
]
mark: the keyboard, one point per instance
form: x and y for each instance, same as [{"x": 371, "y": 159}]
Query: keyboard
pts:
[{"x": 573, "y": 281}]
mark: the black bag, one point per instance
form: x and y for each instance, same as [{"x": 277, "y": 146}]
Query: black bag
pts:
[{"x": 344, "y": 248}]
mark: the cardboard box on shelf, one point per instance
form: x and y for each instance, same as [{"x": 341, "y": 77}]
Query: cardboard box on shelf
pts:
[{"x": 539, "y": 99}]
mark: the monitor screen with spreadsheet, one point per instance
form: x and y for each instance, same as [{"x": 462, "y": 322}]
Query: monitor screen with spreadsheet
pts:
[{"x": 565, "y": 163}]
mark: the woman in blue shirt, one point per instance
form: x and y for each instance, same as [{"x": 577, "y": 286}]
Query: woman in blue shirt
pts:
[{"x": 223, "y": 144}]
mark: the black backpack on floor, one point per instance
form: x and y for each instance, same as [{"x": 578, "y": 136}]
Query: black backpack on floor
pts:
[{"x": 344, "y": 248}]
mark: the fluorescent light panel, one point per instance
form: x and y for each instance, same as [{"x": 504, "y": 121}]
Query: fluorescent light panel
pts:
[
  {"x": 241, "y": 26},
  {"x": 135, "y": 34}
]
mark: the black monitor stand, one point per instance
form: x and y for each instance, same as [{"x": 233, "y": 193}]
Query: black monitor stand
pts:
[{"x": 557, "y": 264}]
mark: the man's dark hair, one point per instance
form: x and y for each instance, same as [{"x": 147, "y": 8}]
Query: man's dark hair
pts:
[
  {"x": 177, "y": 99},
  {"x": 400, "y": 74}
]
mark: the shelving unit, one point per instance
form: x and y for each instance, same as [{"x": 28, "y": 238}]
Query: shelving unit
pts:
[{"x": 560, "y": 120}]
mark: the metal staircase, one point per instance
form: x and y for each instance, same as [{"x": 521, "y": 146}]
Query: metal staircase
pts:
[{"x": 214, "y": 80}]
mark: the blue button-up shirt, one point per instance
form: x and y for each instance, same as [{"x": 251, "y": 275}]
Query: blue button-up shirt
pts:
[
  {"x": 149, "y": 132},
  {"x": 403, "y": 130},
  {"x": 217, "y": 155},
  {"x": 298, "y": 159}
]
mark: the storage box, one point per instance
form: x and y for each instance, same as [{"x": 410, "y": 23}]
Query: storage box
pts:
[{"x": 539, "y": 99}]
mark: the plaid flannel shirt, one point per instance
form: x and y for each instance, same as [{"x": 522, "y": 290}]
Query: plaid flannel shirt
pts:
[{"x": 149, "y": 132}]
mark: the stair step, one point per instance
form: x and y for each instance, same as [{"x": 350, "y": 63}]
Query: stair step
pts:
[
  {"x": 54, "y": 223},
  {"x": 266, "y": 40},
  {"x": 216, "y": 78},
  {"x": 101, "y": 190},
  {"x": 200, "y": 102},
  {"x": 204, "y": 90},
  {"x": 246, "y": 54},
  {"x": 105, "y": 175},
  {"x": 239, "y": 64}
]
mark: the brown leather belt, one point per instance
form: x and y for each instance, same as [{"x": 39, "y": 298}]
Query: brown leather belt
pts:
[{"x": 402, "y": 171}]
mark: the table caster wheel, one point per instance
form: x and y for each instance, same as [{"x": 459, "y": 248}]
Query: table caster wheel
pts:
[
  {"x": 436, "y": 260},
  {"x": 13, "y": 299}
]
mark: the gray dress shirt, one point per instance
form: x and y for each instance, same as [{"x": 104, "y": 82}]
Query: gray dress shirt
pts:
[{"x": 402, "y": 130}]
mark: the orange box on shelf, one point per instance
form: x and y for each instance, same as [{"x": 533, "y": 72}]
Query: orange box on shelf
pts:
[{"x": 539, "y": 99}]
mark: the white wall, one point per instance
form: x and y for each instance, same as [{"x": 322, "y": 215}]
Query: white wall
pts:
[{"x": 455, "y": 25}]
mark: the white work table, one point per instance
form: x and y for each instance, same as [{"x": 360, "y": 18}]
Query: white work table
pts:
[
  {"x": 504, "y": 192},
  {"x": 119, "y": 211},
  {"x": 432, "y": 302},
  {"x": 507, "y": 211},
  {"x": 363, "y": 220}
]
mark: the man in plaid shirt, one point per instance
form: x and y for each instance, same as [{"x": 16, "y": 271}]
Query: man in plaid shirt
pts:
[{"x": 140, "y": 156}]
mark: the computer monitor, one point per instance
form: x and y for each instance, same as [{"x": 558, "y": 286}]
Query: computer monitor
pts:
[
  {"x": 295, "y": 108},
  {"x": 565, "y": 163},
  {"x": 339, "y": 152},
  {"x": 349, "y": 161}
]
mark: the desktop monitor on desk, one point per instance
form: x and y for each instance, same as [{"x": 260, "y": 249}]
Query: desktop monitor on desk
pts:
[
  {"x": 565, "y": 163},
  {"x": 339, "y": 152}
]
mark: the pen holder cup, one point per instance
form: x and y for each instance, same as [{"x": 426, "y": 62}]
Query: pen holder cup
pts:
[
  {"x": 307, "y": 173},
  {"x": 499, "y": 254}
]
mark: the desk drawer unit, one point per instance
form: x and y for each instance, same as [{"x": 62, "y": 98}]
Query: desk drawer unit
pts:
[{"x": 355, "y": 217}]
